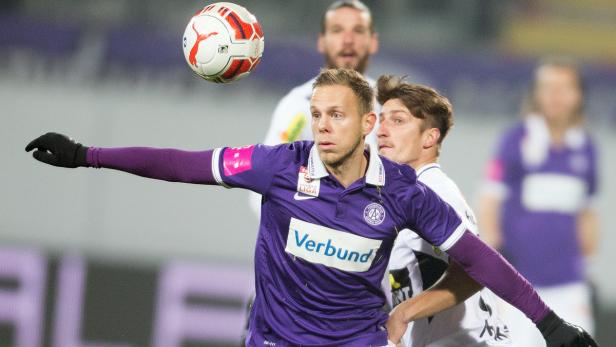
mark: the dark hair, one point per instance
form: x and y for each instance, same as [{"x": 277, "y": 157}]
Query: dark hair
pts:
[
  {"x": 530, "y": 104},
  {"x": 423, "y": 102},
  {"x": 355, "y": 4},
  {"x": 352, "y": 79}
]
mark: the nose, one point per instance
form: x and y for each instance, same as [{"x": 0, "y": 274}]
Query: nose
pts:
[
  {"x": 382, "y": 131},
  {"x": 323, "y": 124},
  {"x": 348, "y": 38}
]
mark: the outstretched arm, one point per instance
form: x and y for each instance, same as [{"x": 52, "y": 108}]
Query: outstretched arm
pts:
[
  {"x": 250, "y": 167},
  {"x": 164, "y": 164},
  {"x": 490, "y": 269}
]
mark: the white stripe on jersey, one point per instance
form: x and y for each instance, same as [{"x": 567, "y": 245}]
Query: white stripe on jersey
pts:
[{"x": 216, "y": 167}]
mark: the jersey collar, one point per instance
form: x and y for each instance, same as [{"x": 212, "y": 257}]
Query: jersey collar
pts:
[
  {"x": 420, "y": 170},
  {"x": 375, "y": 175}
]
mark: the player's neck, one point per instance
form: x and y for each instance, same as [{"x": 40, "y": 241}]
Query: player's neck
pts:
[
  {"x": 558, "y": 128},
  {"x": 352, "y": 169}
]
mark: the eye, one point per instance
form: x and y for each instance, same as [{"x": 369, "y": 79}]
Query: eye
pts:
[
  {"x": 397, "y": 120},
  {"x": 316, "y": 115},
  {"x": 337, "y": 115}
]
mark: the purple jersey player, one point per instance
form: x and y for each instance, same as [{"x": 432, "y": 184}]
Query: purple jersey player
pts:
[
  {"x": 537, "y": 205},
  {"x": 330, "y": 213}
]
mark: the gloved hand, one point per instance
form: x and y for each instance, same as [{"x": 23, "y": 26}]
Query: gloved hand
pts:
[
  {"x": 58, "y": 150},
  {"x": 558, "y": 333}
]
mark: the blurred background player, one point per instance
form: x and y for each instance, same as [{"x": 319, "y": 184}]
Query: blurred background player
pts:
[
  {"x": 414, "y": 121},
  {"x": 537, "y": 207}
]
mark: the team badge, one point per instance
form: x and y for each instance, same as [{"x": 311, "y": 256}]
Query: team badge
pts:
[{"x": 374, "y": 214}]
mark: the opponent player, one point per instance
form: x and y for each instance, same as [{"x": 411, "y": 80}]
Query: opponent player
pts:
[
  {"x": 538, "y": 205},
  {"x": 330, "y": 214},
  {"x": 414, "y": 122}
]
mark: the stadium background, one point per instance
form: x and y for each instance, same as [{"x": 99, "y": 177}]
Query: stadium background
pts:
[{"x": 105, "y": 259}]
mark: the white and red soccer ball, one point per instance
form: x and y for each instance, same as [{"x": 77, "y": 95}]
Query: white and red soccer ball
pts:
[{"x": 223, "y": 42}]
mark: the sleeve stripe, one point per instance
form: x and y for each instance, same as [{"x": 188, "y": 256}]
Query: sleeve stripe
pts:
[
  {"x": 453, "y": 238},
  {"x": 216, "y": 167}
]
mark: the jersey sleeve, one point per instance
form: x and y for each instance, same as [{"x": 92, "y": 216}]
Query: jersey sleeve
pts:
[
  {"x": 433, "y": 219},
  {"x": 289, "y": 122},
  {"x": 592, "y": 176},
  {"x": 504, "y": 167},
  {"x": 593, "y": 171},
  {"x": 252, "y": 167}
]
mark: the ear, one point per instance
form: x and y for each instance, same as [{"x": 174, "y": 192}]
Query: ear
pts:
[
  {"x": 368, "y": 122},
  {"x": 321, "y": 44},
  {"x": 431, "y": 137},
  {"x": 374, "y": 43}
]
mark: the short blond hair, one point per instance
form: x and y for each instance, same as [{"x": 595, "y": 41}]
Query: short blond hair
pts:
[{"x": 352, "y": 79}]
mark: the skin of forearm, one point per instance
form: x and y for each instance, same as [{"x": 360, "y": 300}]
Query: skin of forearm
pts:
[
  {"x": 588, "y": 232},
  {"x": 452, "y": 288},
  {"x": 489, "y": 221}
]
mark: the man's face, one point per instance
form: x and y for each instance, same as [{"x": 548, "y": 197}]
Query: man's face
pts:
[
  {"x": 400, "y": 135},
  {"x": 557, "y": 93},
  {"x": 337, "y": 125},
  {"x": 347, "y": 41}
]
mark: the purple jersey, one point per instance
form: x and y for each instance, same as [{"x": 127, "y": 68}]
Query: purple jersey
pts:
[
  {"x": 322, "y": 250},
  {"x": 545, "y": 187}
]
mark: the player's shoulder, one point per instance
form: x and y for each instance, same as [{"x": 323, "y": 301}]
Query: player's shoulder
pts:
[
  {"x": 291, "y": 152},
  {"x": 516, "y": 131},
  {"x": 433, "y": 176},
  {"x": 439, "y": 182},
  {"x": 398, "y": 176}
]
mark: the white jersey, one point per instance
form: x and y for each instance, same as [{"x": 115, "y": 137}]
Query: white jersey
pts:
[
  {"x": 291, "y": 122},
  {"x": 415, "y": 265}
]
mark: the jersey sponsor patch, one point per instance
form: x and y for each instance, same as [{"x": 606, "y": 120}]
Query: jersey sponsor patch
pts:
[
  {"x": 307, "y": 185},
  {"x": 330, "y": 247},
  {"x": 294, "y": 130},
  {"x": 237, "y": 160},
  {"x": 400, "y": 281}
]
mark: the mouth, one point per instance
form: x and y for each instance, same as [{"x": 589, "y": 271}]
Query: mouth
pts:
[
  {"x": 326, "y": 145},
  {"x": 384, "y": 147},
  {"x": 348, "y": 55}
]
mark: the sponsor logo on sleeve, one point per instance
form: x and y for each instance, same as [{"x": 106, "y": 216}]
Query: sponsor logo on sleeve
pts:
[
  {"x": 330, "y": 247},
  {"x": 237, "y": 160}
]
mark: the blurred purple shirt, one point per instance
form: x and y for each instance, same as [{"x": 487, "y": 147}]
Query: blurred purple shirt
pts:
[{"x": 544, "y": 189}]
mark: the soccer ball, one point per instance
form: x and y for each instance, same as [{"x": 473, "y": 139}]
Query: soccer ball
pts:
[{"x": 223, "y": 42}]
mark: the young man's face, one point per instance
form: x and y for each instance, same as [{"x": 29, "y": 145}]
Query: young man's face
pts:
[
  {"x": 347, "y": 41},
  {"x": 557, "y": 93},
  {"x": 338, "y": 126},
  {"x": 400, "y": 135}
]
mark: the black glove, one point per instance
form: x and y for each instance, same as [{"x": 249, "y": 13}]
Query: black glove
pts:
[
  {"x": 558, "y": 333},
  {"x": 58, "y": 150}
]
